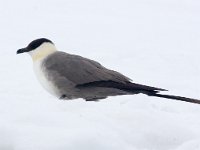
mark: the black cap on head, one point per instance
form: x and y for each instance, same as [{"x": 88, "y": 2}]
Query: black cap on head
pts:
[{"x": 33, "y": 45}]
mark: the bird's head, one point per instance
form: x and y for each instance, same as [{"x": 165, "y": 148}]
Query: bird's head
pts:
[{"x": 39, "y": 48}]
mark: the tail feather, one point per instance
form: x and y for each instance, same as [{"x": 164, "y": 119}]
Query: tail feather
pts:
[
  {"x": 180, "y": 98},
  {"x": 134, "y": 88}
]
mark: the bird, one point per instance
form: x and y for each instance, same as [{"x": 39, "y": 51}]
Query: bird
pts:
[{"x": 68, "y": 76}]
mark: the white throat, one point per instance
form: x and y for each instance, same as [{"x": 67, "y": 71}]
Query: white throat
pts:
[{"x": 42, "y": 51}]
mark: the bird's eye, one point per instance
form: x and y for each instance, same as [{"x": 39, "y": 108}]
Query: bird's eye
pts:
[{"x": 36, "y": 43}]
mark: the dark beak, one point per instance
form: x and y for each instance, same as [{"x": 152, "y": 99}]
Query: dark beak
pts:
[{"x": 22, "y": 50}]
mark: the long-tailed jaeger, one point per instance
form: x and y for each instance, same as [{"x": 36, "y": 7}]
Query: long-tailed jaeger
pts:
[{"x": 70, "y": 76}]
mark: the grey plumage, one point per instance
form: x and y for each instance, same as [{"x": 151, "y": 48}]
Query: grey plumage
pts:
[
  {"x": 70, "y": 76},
  {"x": 75, "y": 77},
  {"x": 78, "y": 77}
]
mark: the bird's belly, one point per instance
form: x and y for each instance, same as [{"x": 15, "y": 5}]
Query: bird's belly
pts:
[{"x": 42, "y": 78}]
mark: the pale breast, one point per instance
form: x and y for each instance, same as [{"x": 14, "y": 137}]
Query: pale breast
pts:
[{"x": 42, "y": 78}]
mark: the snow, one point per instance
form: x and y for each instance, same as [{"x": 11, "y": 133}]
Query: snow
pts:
[{"x": 153, "y": 42}]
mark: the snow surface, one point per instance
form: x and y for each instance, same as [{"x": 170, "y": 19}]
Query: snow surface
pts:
[{"x": 154, "y": 42}]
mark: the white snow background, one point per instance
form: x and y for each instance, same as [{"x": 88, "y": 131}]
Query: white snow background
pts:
[{"x": 154, "y": 42}]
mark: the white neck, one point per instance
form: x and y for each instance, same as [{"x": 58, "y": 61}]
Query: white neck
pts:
[{"x": 42, "y": 51}]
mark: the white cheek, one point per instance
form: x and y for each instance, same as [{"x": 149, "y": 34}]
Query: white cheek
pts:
[
  {"x": 30, "y": 53},
  {"x": 42, "y": 51}
]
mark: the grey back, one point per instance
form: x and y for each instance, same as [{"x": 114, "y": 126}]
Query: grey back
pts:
[{"x": 80, "y": 70}]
